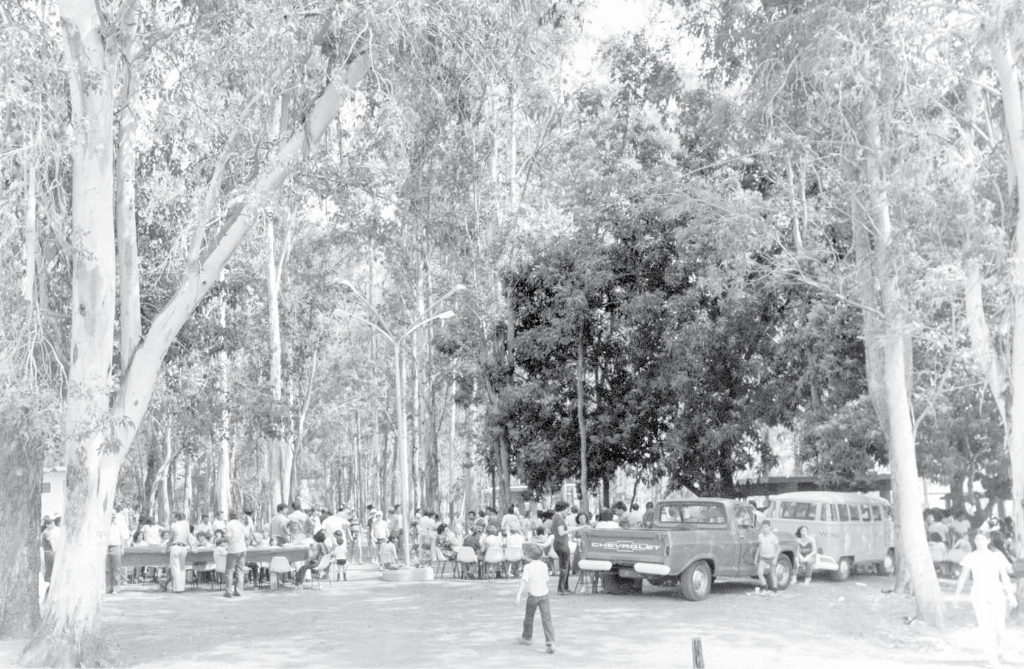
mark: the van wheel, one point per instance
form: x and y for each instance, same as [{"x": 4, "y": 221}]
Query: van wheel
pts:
[
  {"x": 889, "y": 563},
  {"x": 696, "y": 581},
  {"x": 783, "y": 572},
  {"x": 845, "y": 568}
]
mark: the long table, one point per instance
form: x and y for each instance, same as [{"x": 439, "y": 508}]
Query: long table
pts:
[{"x": 157, "y": 556}]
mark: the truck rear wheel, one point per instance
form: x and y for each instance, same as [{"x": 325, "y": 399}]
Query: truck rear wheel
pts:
[
  {"x": 696, "y": 581},
  {"x": 616, "y": 585}
]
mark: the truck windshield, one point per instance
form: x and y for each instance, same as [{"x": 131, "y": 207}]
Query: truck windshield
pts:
[{"x": 694, "y": 514}]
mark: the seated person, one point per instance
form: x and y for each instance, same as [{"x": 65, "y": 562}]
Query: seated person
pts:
[
  {"x": 940, "y": 554},
  {"x": 546, "y": 540},
  {"x": 445, "y": 542},
  {"x": 605, "y": 521},
  {"x": 316, "y": 553},
  {"x": 473, "y": 540},
  {"x": 389, "y": 556},
  {"x": 808, "y": 552},
  {"x": 492, "y": 540}
]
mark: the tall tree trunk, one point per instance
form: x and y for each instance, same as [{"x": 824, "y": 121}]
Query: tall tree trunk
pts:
[
  {"x": 224, "y": 461},
  {"x": 186, "y": 494},
  {"x": 902, "y": 448},
  {"x": 468, "y": 469},
  {"x": 127, "y": 239},
  {"x": 69, "y": 626},
  {"x": 581, "y": 418},
  {"x": 21, "y": 479},
  {"x": 100, "y": 431},
  {"x": 1013, "y": 116}
]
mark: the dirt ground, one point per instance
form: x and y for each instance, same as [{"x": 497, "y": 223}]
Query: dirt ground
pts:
[{"x": 368, "y": 623}]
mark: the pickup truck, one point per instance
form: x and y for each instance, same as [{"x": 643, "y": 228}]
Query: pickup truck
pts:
[{"x": 690, "y": 543}]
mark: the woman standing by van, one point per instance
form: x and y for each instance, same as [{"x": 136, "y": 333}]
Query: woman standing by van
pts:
[
  {"x": 808, "y": 552},
  {"x": 991, "y": 592}
]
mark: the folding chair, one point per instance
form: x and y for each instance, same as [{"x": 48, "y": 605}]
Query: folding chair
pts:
[
  {"x": 278, "y": 565},
  {"x": 591, "y": 572},
  {"x": 494, "y": 556},
  {"x": 322, "y": 570}
]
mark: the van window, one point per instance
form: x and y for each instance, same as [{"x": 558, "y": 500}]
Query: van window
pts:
[
  {"x": 825, "y": 515},
  {"x": 876, "y": 513},
  {"x": 888, "y": 512},
  {"x": 844, "y": 515},
  {"x": 799, "y": 510},
  {"x": 865, "y": 513},
  {"x": 854, "y": 512}
]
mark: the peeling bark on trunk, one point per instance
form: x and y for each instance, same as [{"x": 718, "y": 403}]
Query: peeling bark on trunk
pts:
[
  {"x": 1013, "y": 116},
  {"x": 127, "y": 238},
  {"x": 21, "y": 477},
  {"x": 68, "y": 631}
]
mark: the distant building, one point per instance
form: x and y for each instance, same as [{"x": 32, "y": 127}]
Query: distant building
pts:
[{"x": 53, "y": 491}]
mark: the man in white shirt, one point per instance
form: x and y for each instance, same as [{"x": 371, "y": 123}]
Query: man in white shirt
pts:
[
  {"x": 535, "y": 582},
  {"x": 117, "y": 539},
  {"x": 234, "y": 572},
  {"x": 218, "y": 522},
  {"x": 204, "y": 525}
]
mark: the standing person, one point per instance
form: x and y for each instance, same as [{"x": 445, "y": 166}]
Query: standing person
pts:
[
  {"x": 510, "y": 521},
  {"x": 991, "y": 592},
  {"x": 380, "y": 533},
  {"x": 177, "y": 549},
  {"x": 234, "y": 572},
  {"x": 218, "y": 522},
  {"x": 340, "y": 553},
  {"x": 300, "y": 527},
  {"x": 204, "y": 525},
  {"x": 535, "y": 583},
  {"x": 279, "y": 526},
  {"x": 117, "y": 539},
  {"x": 49, "y": 550},
  {"x": 355, "y": 530},
  {"x": 767, "y": 556},
  {"x": 395, "y": 525},
  {"x": 560, "y": 532},
  {"x": 648, "y": 517}
]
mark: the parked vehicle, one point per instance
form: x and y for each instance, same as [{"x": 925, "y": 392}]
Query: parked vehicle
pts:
[
  {"x": 850, "y": 528},
  {"x": 691, "y": 542}
]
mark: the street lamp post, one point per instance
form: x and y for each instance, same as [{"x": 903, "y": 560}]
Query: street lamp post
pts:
[{"x": 396, "y": 342}]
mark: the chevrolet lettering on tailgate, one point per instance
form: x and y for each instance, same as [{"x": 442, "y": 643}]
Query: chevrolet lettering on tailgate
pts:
[{"x": 625, "y": 546}]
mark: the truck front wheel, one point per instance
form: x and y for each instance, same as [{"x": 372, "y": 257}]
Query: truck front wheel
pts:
[
  {"x": 783, "y": 572},
  {"x": 696, "y": 581}
]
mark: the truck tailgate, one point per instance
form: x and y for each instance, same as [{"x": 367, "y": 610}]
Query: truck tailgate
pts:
[{"x": 625, "y": 546}]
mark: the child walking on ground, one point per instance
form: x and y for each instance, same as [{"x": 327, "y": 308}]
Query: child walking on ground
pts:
[
  {"x": 535, "y": 583},
  {"x": 767, "y": 556}
]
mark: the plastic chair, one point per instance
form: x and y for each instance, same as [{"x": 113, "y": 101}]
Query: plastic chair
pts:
[
  {"x": 279, "y": 565},
  {"x": 513, "y": 556},
  {"x": 466, "y": 556},
  {"x": 494, "y": 556},
  {"x": 322, "y": 569}
]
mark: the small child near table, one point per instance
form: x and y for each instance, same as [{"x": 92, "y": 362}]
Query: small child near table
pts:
[
  {"x": 535, "y": 583},
  {"x": 341, "y": 553},
  {"x": 388, "y": 555}
]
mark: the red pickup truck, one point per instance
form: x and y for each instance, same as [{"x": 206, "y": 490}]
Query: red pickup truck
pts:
[{"x": 691, "y": 542}]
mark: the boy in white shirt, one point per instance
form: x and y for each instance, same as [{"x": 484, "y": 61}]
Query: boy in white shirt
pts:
[{"x": 535, "y": 583}]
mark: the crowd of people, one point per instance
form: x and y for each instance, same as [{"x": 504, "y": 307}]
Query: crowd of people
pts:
[
  {"x": 949, "y": 543},
  {"x": 344, "y": 534}
]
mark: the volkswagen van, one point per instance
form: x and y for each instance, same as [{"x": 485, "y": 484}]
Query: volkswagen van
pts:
[{"x": 850, "y": 528}]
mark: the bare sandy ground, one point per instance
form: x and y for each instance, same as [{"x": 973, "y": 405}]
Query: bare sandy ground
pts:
[{"x": 453, "y": 623}]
